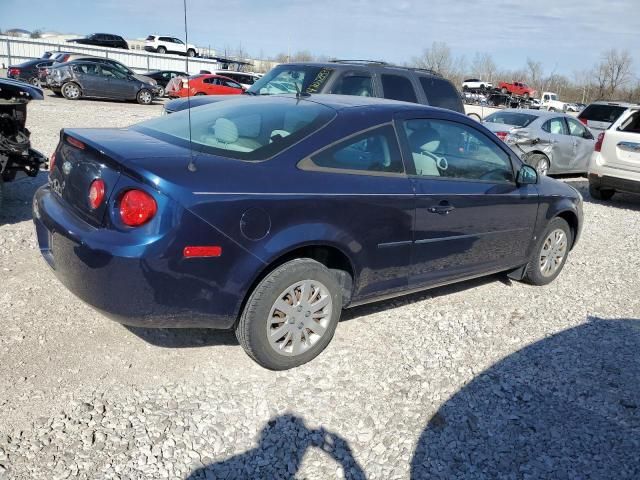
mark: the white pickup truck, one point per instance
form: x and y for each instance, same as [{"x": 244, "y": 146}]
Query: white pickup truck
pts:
[{"x": 551, "y": 102}]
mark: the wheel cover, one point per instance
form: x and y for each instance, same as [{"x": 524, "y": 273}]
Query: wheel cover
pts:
[
  {"x": 145, "y": 97},
  {"x": 299, "y": 317},
  {"x": 554, "y": 249},
  {"x": 71, "y": 91},
  {"x": 543, "y": 166}
]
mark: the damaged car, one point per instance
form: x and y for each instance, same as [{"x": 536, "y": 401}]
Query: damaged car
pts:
[
  {"x": 17, "y": 158},
  {"x": 551, "y": 142}
]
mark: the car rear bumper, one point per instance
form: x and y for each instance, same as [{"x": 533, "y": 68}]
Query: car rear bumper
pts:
[
  {"x": 135, "y": 284},
  {"x": 619, "y": 184}
]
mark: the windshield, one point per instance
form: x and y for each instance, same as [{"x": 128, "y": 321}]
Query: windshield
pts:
[
  {"x": 511, "y": 118},
  {"x": 284, "y": 78},
  {"x": 243, "y": 129},
  {"x": 553, "y": 96}
]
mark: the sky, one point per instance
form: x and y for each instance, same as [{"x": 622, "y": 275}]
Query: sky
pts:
[{"x": 565, "y": 35}]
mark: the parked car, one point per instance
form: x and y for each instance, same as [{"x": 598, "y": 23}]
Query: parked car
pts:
[
  {"x": 535, "y": 104},
  {"x": 615, "y": 164},
  {"x": 244, "y": 79},
  {"x": 551, "y": 142},
  {"x": 476, "y": 84},
  {"x": 599, "y": 116},
  {"x": 572, "y": 107},
  {"x": 71, "y": 57},
  {"x": 163, "y": 77},
  {"x": 293, "y": 209},
  {"x": 28, "y": 71},
  {"x": 197, "y": 85},
  {"x": 160, "y": 44},
  {"x": 102, "y": 40},
  {"x": 517, "y": 88},
  {"x": 348, "y": 77},
  {"x": 17, "y": 158},
  {"x": 74, "y": 80}
]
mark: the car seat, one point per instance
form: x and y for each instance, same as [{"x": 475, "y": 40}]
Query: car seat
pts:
[{"x": 424, "y": 143}]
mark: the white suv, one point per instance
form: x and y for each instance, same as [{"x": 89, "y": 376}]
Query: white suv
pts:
[
  {"x": 156, "y": 43},
  {"x": 243, "y": 78},
  {"x": 476, "y": 84},
  {"x": 615, "y": 164}
]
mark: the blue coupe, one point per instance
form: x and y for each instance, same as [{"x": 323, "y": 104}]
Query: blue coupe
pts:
[{"x": 269, "y": 215}]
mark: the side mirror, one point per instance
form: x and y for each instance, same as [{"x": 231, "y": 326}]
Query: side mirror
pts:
[{"x": 527, "y": 175}]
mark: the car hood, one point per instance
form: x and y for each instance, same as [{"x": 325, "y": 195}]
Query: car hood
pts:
[
  {"x": 14, "y": 90},
  {"x": 145, "y": 79},
  {"x": 184, "y": 103}
]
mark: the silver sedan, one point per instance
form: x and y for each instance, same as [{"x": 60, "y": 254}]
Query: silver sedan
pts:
[{"x": 551, "y": 142}]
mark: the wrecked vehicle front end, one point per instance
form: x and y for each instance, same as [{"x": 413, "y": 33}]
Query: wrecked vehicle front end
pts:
[{"x": 16, "y": 155}]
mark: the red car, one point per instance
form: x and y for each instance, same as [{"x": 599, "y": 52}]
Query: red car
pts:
[
  {"x": 203, "y": 84},
  {"x": 517, "y": 88}
]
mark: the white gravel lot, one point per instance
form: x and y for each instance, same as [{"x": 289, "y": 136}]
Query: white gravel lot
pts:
[{"x": 488, "y": 379}]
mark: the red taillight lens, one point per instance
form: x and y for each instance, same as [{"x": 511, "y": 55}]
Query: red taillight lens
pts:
[
  {"x": 599, "y": 141},
  {"x": 75, "y": 142},
  {"x": 502, "y": 135},
  {"x": 137, "y": 208},
  {"x": 96, "y": 193},
  {"x": 52, "y": 162},
  {"x": 14, "y": 71},
  {"x": 583, "y": 120},
  {"x": 208, "y": 251}
]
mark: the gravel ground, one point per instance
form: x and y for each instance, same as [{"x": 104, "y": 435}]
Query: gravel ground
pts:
[{"x": 488, "y": 379}]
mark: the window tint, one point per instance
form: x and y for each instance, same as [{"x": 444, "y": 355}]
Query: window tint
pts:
[
  {"x": 631, "y": 124},
  {"x": 555, "y": 126},
  {"x": 441, "y": 148},
  {"x": 165, "y": 39},
  {"x": 354, "y": 84},
  {"x": 87, "y": 68},
  {"x": 602, "y": 113},
  {"x": 371, "y": 151},
  {"x": 283, "y": 79},
  {"x": 229, "y": 83},
  {"x": 441, "y": 93},
  {"x": 396, "y": 87},
  {"x": 576, "y": 129},
  {"x": 511, "y": 118}
]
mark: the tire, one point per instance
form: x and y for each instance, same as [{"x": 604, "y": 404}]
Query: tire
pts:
[
  {"x": 34, "y": 81},
  {"x": 161, "y": 50},
  {"x": 465, "y": 88},
  {"x": 557, "y": 231},
  {"x": 504, "y": 91},
  {"x": 526, "y": 96},
  {"x": 71, "y": 91},
  {"x": 540, "y": 162},
  {"x": 191, "y": 53},
  {"x": 254, "y": 325},
  {"x": 600, "y": 194},
  {"x": 161, "y": 91},
  {"x": 144, "y": 97}
]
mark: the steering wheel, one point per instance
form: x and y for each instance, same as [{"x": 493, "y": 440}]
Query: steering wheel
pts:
[{"x": 441, "y": 162}]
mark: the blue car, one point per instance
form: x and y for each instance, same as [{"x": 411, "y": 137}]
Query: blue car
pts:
[{"x": 270, "y": 215}]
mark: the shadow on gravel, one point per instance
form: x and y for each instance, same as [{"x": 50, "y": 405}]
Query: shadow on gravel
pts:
[
  {"x": 625, "y": 201},
  {"x": 16, "y": 202},
  {"x": 566, "y": 407},
  {"x": 283, "y": 443},
  {"x": 184, "y": 337}
]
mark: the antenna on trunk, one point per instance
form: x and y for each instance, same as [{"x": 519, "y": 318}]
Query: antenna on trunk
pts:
[{"x": 192, "y": 161}]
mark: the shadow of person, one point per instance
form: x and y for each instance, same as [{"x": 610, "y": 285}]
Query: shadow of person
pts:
[
  {"x": 16, "y": 203},
  {"x": 566, "y": 407},
  {"x": 284, "y": 440}
]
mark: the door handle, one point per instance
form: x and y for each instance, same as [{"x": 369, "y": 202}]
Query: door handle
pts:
[{"x": 442, "y": 209}]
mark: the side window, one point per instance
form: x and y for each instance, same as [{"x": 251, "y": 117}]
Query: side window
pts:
[
  {"x": 576, "y": 129},
  {"x": 441, "y": 93},
  {"x": 165, "y": 39},
  {"x": 372, "y": 151},
  {"x": 396, "y": 87},
  {"x": 441, "y": 148},
  {"x": 229, "y": 83},
  {"x": 359, "y": 84},
  {"x": 178, "y": 41},
  {"x": 555, "y": 126},
  {"x": 87, "y": 68}
]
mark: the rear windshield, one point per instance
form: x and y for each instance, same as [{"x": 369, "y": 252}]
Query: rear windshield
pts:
[
  {"x": 151, "y": 37},
  {"x": 290, "y": 78},
  {"x": 631, "y": 124},
  {"x": 511, "y": 118},
  {"x": 602, "y": 113},
  {"x": 243, "y": 129}
]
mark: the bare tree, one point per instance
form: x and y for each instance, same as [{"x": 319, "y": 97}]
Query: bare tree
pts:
[
  {"x": 613, "y": 71},
  {"x": 437, "y": 58},
  {"x": 36, "y": 33},
  {"x": 484, "y": 67},
  {"x": 534, "y": 73}
]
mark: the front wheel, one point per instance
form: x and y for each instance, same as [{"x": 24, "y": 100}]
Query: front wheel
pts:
[
  {"x": 504, "y": 91},
  {"x": 526, "y": 96},
  {"x": 161, "y": 50},
  {"x": 191, "y": 52},
  {"x": 549, "y": 256},
  {"x": 540, "y": 163},
  {"x": 71, "y": 91},
  {"x": 291, "y": 316},
  {"x": 161, "y": 91},
  {"x": 144, "y": 97}
]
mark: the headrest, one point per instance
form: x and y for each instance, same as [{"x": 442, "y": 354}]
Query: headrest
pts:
[
  {"x": 425, "y": 139},
  {"x": 225, "y": 131}
]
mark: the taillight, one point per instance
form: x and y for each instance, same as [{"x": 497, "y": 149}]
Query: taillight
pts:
[
  {"x": 202, "y": 251},
  {"x": 599, "y": 141},
  {"x": 75, "y": 142},
  {"x": 52, "y": 162},
  {"x": 137, "y": 208},
  {"x": 96, "y": 193},
  {"x": 502, "y": 135},
  {"x": 583, "y": 120},
  {"x": 14, "y": 71}
]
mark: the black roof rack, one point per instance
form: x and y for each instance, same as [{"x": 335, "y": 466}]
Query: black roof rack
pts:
[
  {"x": 380, "y": 62},
  {"x": 426, "y": 70},
  {"x": 375, "y": 62}
]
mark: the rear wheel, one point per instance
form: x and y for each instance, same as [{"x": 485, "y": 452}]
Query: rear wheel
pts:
[
  {"x": 161, "y": 50},
  {"x": 526, "y": 96},
  {"x": 539, "y": 162},
  {"x": 191, "y": 52},
  {"x": 71, "y": 91},
  {"x": 504, "y": 90},
  {"x": 144, "y": 97},
  {"x": 601, "y": 194},
  {"x": 549, "y": 256},
  {"x": 34, "y": 81},
  {"x": 291, "y": 316}
]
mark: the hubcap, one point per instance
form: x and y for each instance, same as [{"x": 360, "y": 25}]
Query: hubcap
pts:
[
  {"x": 542, "y": 167},
  {"x": 72, "y": 91},
  {"x": 145, "y": 97},
  {"x": 299, "y": 317},
  {"x": 553, "y": 252}
]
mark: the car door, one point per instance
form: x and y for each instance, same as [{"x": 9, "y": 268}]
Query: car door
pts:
[
  {"x": 557, "y": 136},
  {"x": 178, "y": 45},
  {"x": 119, "y": 86},
  {"x": 88, "y": 76},
  {"x": 373, "y": 204},
  {"x": 583, "y": 143},
  {"x": 471, "y": 218}
]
